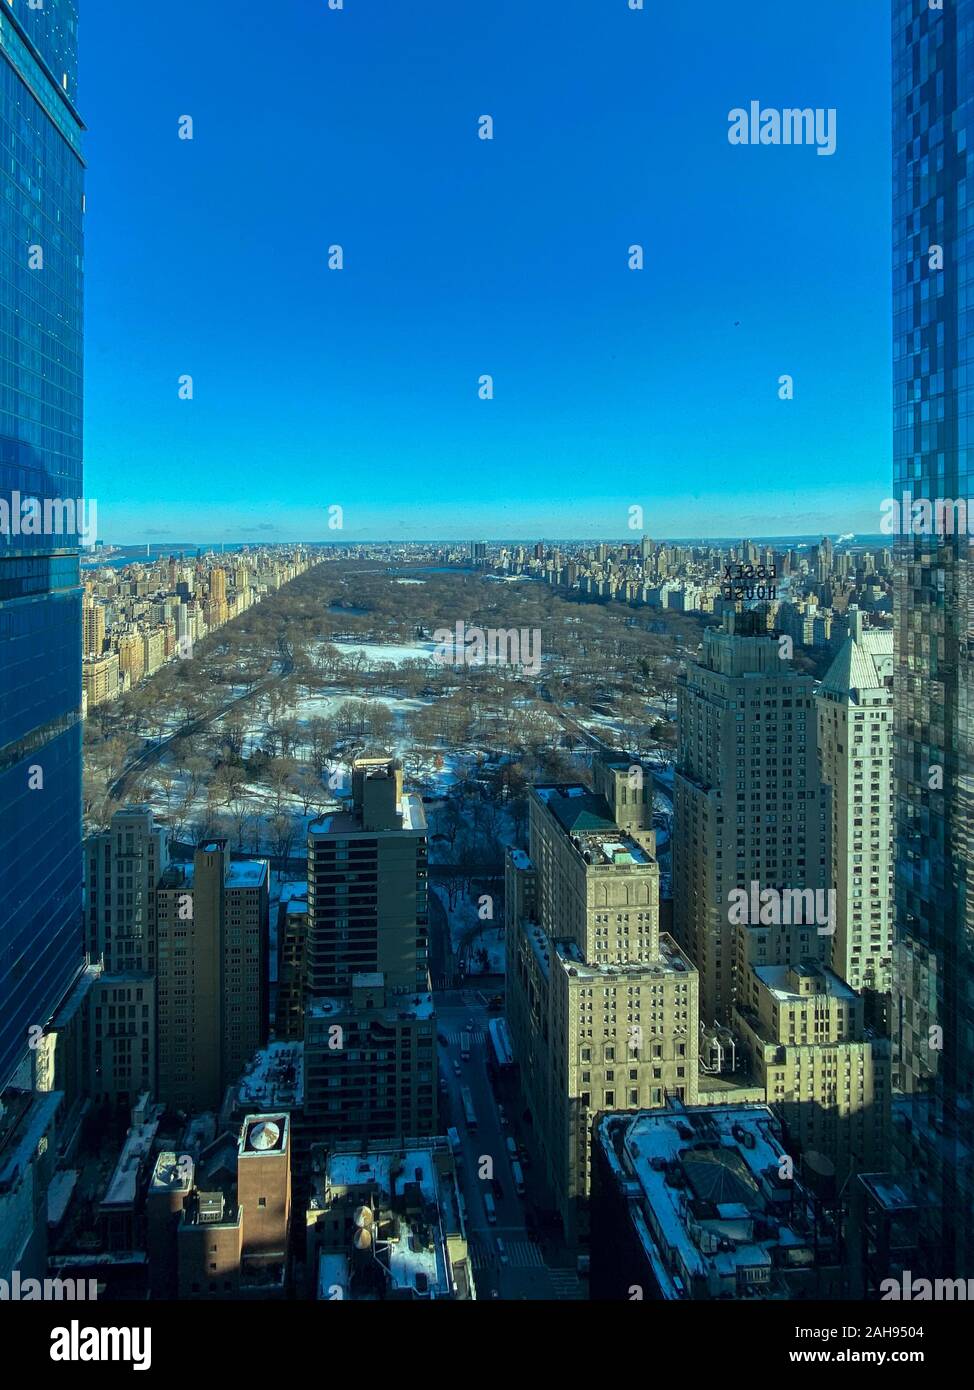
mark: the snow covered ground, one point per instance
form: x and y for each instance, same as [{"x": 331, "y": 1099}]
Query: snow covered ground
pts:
[
  {"x": 470, "y": 934},
  {"x": 382, "y": 652}
]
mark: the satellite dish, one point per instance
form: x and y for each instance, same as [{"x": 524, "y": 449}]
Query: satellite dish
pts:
[
  {"x": 265, "y": 1135},
  {"x": 363, "y": 1217},
  {"x": 363, "y": 1239}
]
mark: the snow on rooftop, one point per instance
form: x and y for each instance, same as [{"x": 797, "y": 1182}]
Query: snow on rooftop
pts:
[
  {"x": 247, "y": 873},
  {"x": 704, "y": 1195}
]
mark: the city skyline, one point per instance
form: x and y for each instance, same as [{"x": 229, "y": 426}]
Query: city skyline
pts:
[{"x": 549, "y": 880}]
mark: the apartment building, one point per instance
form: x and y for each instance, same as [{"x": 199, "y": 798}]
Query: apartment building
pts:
[
  {"x": 750, "y": 806},
  {"x": 193, "y": 939},
  {"x": 822, "y": 1068},
  {"x": 602, "y": 1007},
  {"x": 370, "y": 1028},
  {"x": 99, "y": 680},
  {"x": 212, "y": 934},
  {"x": 855, "y": 741}
]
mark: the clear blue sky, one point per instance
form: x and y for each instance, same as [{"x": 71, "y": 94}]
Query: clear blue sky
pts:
[{"x": 462, "y": 257}]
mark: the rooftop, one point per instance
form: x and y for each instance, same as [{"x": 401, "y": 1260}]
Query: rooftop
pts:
[
  {"x": 671, "y": 961},
  {"x": 396, "y": 1006},
  {"x": 860, "y": 668},
  {"x": 124, "y": 1184},
  {"x": 587, "y": 819},
  {"x": 707, "y": 1200},
  {"x": 247, "y": 873},
  {"x": 779, "y": 981},
  {"x": 347, "y": 821},
  {"x": 406, "y": 1202},
  {"x": 274, "y": 1078},
  {"x": 172, "y": 1172}
]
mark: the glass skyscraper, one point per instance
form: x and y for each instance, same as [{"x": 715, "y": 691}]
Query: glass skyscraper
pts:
[
  {"x": 933, "y": 316},
  {"x": 41, "y": 269}
]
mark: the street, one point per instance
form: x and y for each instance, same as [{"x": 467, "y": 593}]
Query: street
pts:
[{"x": 526, "y": 1273}]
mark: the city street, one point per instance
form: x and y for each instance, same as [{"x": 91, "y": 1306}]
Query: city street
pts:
[{"x": 526, "y": 1273}]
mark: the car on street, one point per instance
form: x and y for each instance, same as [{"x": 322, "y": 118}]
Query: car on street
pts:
[
  {"x": 457, "y": 1069},
  {"x": 502, "y": 1254},
  {"x": 498, "y": 1187},
  {"x": 443, "y": 1039}
]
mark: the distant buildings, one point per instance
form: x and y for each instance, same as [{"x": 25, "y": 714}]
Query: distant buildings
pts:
[
  {"x": 138, "y": 617},
  {"x": 602, "y": 1007},
  {"x": 704, "y": 1203},
  {"x": 385, "y": 1221}
]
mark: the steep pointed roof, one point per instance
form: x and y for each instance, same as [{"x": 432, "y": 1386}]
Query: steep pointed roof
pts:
[{"x": 853, "y": 670}]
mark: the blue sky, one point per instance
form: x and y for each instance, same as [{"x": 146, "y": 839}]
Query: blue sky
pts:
[{"x": 359, "y": 387}]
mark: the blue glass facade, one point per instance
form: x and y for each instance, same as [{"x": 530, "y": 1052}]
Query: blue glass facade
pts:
[
  {"x": 933, "y": 316},
  {"x": 41, "y": 269}
]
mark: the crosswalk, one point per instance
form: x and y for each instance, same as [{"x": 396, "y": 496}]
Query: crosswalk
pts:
[
  {"x": 522, "y": 1254},
  {"x": 477, "y": 1036}
]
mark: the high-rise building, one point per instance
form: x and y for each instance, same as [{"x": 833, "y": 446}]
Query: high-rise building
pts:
[
  {"x": 855, "y": 745},
  {"x": 933, "y": 146},
  {"x": 219, "y": 610},
  {"x": 94, "y": 627},
  {"x": 602, "y": 1006},
  {"x": 370, "y": 1027},
  {"x": 750, "y": 808},
  {"x": 41, "y": 213},
  {"x": 211, "y": 961},
  {"x": 199, "y": 934},
  {"x": 123, "y": 866}
]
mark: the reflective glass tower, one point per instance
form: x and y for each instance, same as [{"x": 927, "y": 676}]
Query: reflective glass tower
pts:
[
  {"x": 933, "y": 315},
  {"x": 41, "y": 212}
]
